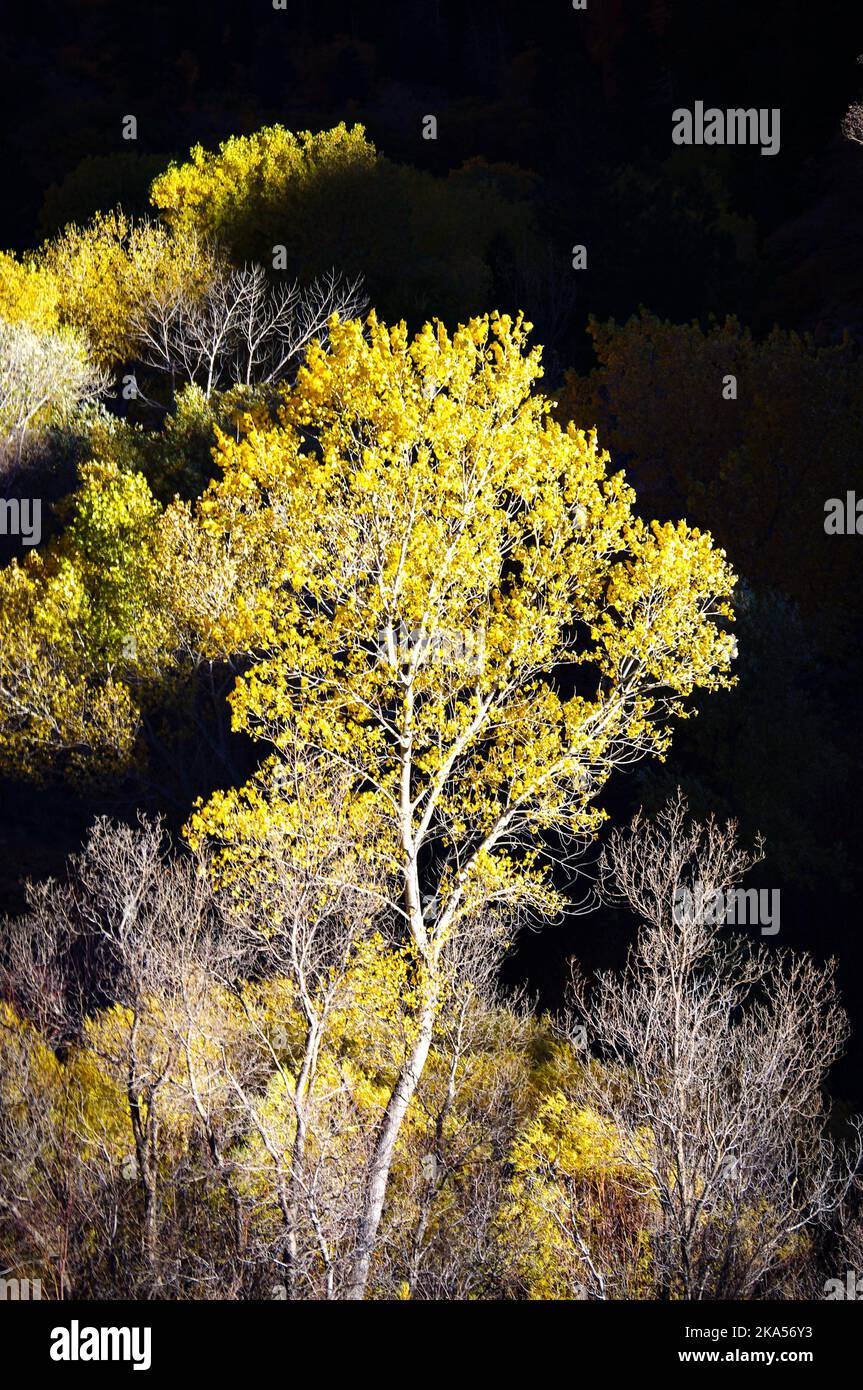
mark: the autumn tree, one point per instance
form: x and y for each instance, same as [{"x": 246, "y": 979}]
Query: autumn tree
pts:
[
  {"x": 75, "y": 618},
  {"x": 448, "y": 596},
  {"x": 574, "y": 1218},
  {"x": 28, "y": 293},
  {"x": 301, "y": 203},
  {"x": 104, "y": 271},
  {"x": 100, "y": 624}
]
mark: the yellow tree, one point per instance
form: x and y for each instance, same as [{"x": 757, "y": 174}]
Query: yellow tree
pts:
[
  {"x": 28, "y": 294},
  {"x": 104, "y": 273},
  {"x": 97, "y": 624},
  {"x": 265, "y": 187},
  {"x": 448, "y": 596},
  {"x": 330, "y": 198}
]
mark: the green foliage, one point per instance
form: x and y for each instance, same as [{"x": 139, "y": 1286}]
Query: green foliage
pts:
[{"x": 176, "y": 459}]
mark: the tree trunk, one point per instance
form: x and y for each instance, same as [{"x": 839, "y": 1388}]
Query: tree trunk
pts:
[{"x": 396, "y": 1110}]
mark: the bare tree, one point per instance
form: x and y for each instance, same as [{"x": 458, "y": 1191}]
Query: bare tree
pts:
[
  {"x": 308, "y": 898},
  {"x": 713, "y": 1054},
  {"x": 240, "y": 329},
  {"x": 134, "y": 964},
  {"x": 108, "y": 965}
]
